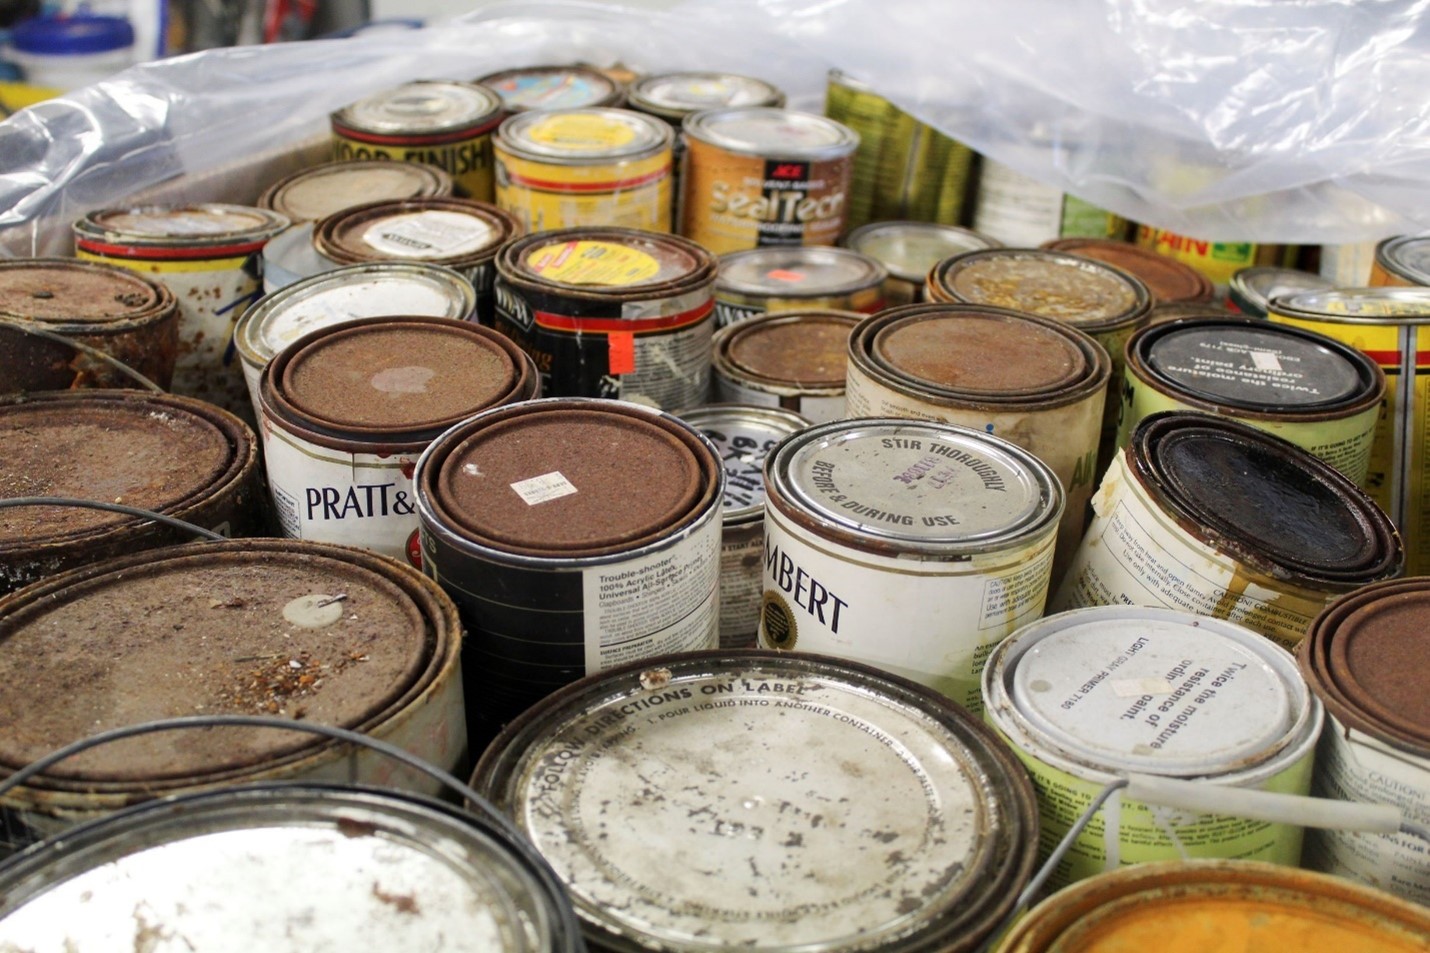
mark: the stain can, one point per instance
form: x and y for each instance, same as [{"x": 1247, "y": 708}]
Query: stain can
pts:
[
  {"x": 1218, "y": 261},
  {"x": 1022, "y": 212},
  {"x": 287, "y": 628},
  {"x": 818, "y": 278},
  {"x": 1212, "y": 516},
  {"x": 575, "y": 535},
  {"x": 909, "y": 250},
  {"x": 1033, "y": 381},
  {"x": 127, "y": 315},
  {"x": 314, "y": 193},
  {"x": 290, "y": 256},
  {"x": 381, "y": 869},
  {"x": 177, "y": 456},
  {"x": 585, "y": 167},
  {"x": 1252, "y": 289},
  {"x": 1392, "y": 326},
  {"x": 347, "y": 409},
  {"x": 1401, "y": 260},
  {"x": 460, "y": 234},
  {"x": 1347, "y": 265},
  {"x": 790, "y": 359},
  {"x": 1320, "y": 394},
  {"x": 1169, "y": 281},
  {"x": 883, "y": 817},
  {"x": 1364, "y": 656},
  {"x": 1219, "y": 906},
  {"x": 757, "y": 176},
  {"x": 743, "y": 436},
  {"x": 438, "y": 123},
  {"x": 1089, "y": 696},
  {"x": 870, "y": 523},
  {"x": 209, "y": 257},
  {"x": 611, "y": 312},
  {"x": 533, "y": 88},
  {"x": 377, "y": 289}
]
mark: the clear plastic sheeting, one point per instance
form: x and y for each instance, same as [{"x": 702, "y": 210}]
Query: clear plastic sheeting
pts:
[{"x": 1255, "y": 120}]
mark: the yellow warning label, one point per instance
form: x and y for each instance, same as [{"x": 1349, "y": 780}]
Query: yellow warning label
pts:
[{"x": 593, "y": 263}]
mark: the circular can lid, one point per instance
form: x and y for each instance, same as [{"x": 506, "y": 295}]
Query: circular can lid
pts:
[
  {"x": 1255, "y": 365},
  {"x": 929, "y": 488},
  {"x": 71, "y": 35},
  {"x": 1407, "y": 256},
  {"x": 743, "y": 436},
  {"x": 1087, "y": 294},
  {"x": 315, "y": 193},
  {"x": 1125, "y": 688},
  {"x": 180, "y": 226},
  {"x": 1166, "y": 278},
  {"x": 552, "y": 87},
  {"x": 809, "y": 271},
  {"x": 772, "y": 133},
  {"x": 1251, "y": 289},
  {"x": 909, "y": 249},
  {"x": 424, "y": 107},
  {"x": 797, "y": 803},
  {"x": 376, "y": 289},
  {"x": 381, "y": 871},
  {"x": 597, "y": 134},
  {"x": 602, "y": 260},
  {"x": 65, "y": 291},
  {"x": 441, "y": 230},
  {"x": 676, "y": 95},
  {"x": 248, "y": 627},
  {"x": 1356, "y": 305},
  {"x": 808, "y": 349}
]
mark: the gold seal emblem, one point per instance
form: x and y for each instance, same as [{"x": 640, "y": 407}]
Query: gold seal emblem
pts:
[{"x": 778, "y": 628}]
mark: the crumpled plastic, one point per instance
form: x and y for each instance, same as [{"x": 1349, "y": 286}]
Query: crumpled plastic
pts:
[{"x": 1298, "y": 121}]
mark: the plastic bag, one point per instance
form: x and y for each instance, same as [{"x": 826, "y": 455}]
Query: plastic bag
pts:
[{"x": 1254, "y": 120}]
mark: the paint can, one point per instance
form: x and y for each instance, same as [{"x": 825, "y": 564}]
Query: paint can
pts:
[
  {"x": 571, "y": 168},
  {"x": 1390, "y": 325},
  {"x": 1022, "y": 212},
  {"x": 378, "y": 289},
  {"x": 1219, "y": 906},
  {"x": 1163, "y": 313},
  {"x": 128, "y": 316},
  {"x": 908, "y": 250},
  {"x": 460, "y": 234},
  {"x": 316, "y": 192},
  {"x": 1033, "y": 381},
  {"x": 1252, "y": 289},
  {"x": 673, "y": 96},
  {"x": 176, "y": 456},
  {"x": 1089, "y": 696},
  {"x": 1217, "y": 261},
  {"x": 757, "y": 176},
  {"x": 883, "y": 817},
  {"x": 790, "y": 359},
  {"x": 532, "y": 88},
  {"x": 743, "y": 436},
  {"x": 1364, "y": 656},
  {"x": 438, "y": 123},
  {"x": 1347, "y": 265},
  {"x": 611, "y": 312},
  {"x": 912, "y": 546},
  {"x": 1212, "y": 516},
  {"x": 816, "y": 278},
  {"x": 287, "y": 628},
  {"x": 1168, "y": 280},
  {"x": 348, "y": 408},
  {"x": 1401, "y": 260},
  {"x": 209, "y": 257},
  {"x": 575, "y": 535},
  {"x": 290, "y": 256}
]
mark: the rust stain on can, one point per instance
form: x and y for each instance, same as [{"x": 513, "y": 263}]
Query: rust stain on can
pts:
[{"x": 796, "y": 360}]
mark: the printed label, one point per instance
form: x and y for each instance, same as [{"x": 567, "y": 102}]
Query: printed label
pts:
[
  {"x": 469, "y": 162},
  {"x": 430, "y": 234},
  {"x": 546, "y": 195},
  {"x": 582, "y": 132},
  {"x": 541, "y": 489},
  {"x": 1217, "y": 261},
  {"x": 593, "y": 263},
  {"x": 741, "y": 569}
]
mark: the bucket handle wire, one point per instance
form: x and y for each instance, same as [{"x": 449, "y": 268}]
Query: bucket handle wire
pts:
[{"x": 112, "y": 508}]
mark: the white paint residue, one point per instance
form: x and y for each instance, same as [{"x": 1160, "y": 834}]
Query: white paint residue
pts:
[
  {"x": 541, "y": 489},
  {"x": 402, "y": 380}
]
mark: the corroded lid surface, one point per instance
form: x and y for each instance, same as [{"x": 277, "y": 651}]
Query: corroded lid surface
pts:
[
  {"x": 66, "y": 291},
  {"x": 182, "y": 225},
  {"x": 1169, "y": 280},
  {"x": 1084, "y": 293},
  {"x": 800, "y": 348},
  {"x": 797, "y": 272}
]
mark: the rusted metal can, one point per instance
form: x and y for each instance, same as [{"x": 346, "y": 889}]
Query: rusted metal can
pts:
[
  {"x": 1168, "y": 280},
  {"x": 1022, "y": 212},
  {"x": 791, "y": 359},
  {"x": 1252, "y": 289},
  {"x": 128, "y": 316},
  {"x": 1033, "y": 381},
  {"x": 908, "y": 250},
  {"x": 1401, "y": 260},
  {"x": 1320, "y": 394},
  {"x": 925, "y": 816},
  {"x": 314, "y": 193},
  {"x": 611, "y": 312},
  {"x": 1212, "y": 516},
  {"x": 796, "y": 279},
  {"x": 869, "y": 522},
  {"x": 1392, "y": 326},
  {"x": 177, "y": 456},
  {"x": 757, "y": 176},
  {"x": 348, "y": 408},
  {"x": 531, "y": 88},
  {"x": 438, "y": 123},
  {"x": 289, "y": 628},
  {"x": 575, "y": 535},
  {"x": 1364, "y": 656},
  {"x": 382, "y": 869},
  {"x": 1220, "y": 905},
  {"x": 209, "y": 257},
  {"x": 462, "y": 235},
  {"x": 743, "y": 436},
  {"x": 1086, "y": 697},
  {"x": 585, "y": 167},
  {"x": 1217, "y": 261}
]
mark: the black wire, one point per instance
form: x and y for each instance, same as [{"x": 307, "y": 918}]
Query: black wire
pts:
[{"x": 113, "y": 508}]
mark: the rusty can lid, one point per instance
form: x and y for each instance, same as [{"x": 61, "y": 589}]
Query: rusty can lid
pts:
[
  {"x": 554, "y": 479},
  {"x": 1407, "y": 257},
  {"x": 1272, "y": 504},
  {"x": 673, "y": 96},
  {"x": 552, "y": 87},
  {"x": 743, "y": 435},
  {"x": 449, "y": 231},
  {"x": 65, "y": 291},
  {"x": 605, "y": 261},
  {"x": 1087, "y": 294},
  {"x": 772, "y": 133},
  {"x": 317, "y": 192},
  {"x": 808, "y": 349},
  {"x": 596, "y": 135},
  {"x": 797, "y": 803},
  {"x": 158, "y": 227},
  {"x": 1166, "y": 278},
  {"x": 421, "y": 108},
  {"x": 909, "y": 249},
  {"x": 798, "y": 271},
  {"x": 1251, "y": 289}
]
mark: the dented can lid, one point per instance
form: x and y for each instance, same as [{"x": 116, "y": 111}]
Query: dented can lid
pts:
[
  {"x": 583, "y": 136},
  {"x": 909, "y": 249},
  {"x": 552, "y": 87},
  {"x": 65, "y": 292},
  {"x": 421, "y": 108},
  {"x": 810, "y": 271},
  {"x": 771, "y": 132},
  {"x": 673, "y": 96},
  {"x": 743, "y": 436},
  {"x": 1087, "y": 294},
  {"x": 1407, "y": 257},
  {"x": 317, "y": 192},
  {"x": 1251, "y": 289},
  {"x": 773, "y": 801},
  {"x": 1168, "y": 279},
  {"x": 445, "y": 231},
  {"x": 799, "y": 349},
  {"x": 234, "y": 229}
]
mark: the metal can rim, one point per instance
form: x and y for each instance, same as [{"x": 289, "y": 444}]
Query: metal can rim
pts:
[
  {"x": 700, "y": 127},
  {"x": 652, "y": 137},
  {"x": 1314, "y": 306},
  {"x": 724, "y": 365},
  {"x": 91, "y": 234},
  {"x": 639, "y": 96},
  {"x": 484, "y": 112},
  {"x": 865, "y": 272},
  {"x": 975, "y": 241},
  {"x": 157, "y": 311},
  {"x": 329, "y": 233}
]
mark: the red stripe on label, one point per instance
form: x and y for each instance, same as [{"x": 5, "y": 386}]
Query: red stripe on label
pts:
[
  {"x": 612, "y": 186},
  {"x": 169, "y": 253},
  {"x": 622, "y": 353},
  {"x": 613, "y": 326},
  {"x": 1392, "y": 359}
]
